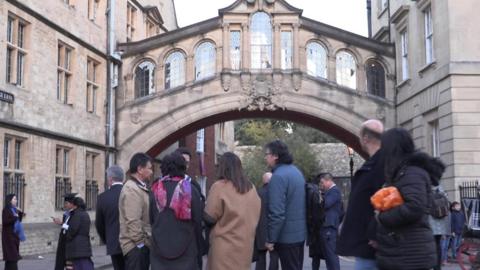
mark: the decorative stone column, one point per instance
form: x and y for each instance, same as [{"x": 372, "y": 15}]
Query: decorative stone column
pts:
[
  {"x": 245, "y": 47},
  {"x": 296, "y": 46},
  {"x": 226, "y": 47},
  {"x": 190, "y": 69},
  {"x": 276, "y": 50}
]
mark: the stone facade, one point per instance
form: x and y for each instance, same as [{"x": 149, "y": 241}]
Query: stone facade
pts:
[{"x": 437, "y": 98}]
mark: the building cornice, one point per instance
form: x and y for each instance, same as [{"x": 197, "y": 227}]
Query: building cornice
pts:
[
  {"x": 230, "y": 8},
  {"x": 138, "y": 47},
  {"x": 382, "y": 32},
  {"x": 53, "y": 135},
  {"x": 399, "y": 14},
  {"x": 347, "y": 37},
  {"x": 58, "y": 28}
]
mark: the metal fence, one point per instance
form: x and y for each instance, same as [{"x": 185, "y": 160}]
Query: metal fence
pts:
[
  {"x": 469, "y": 190},
  {"x": 63, "y": 186},
  {"x": 15, "y": 183},
  {"x": 91, "y": 191}
]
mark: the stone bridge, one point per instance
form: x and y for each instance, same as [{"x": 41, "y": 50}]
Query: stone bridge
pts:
[{"x": 256, "y": 59}]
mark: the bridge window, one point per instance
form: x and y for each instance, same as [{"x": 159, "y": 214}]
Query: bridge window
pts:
[
  {"x": 205, "y": 61},
  {"x": 174, "y": 70},
  {"x": 375, "y": 78},
  {"x": 346, "y": 70},
  {"x": 144, "y": 79},
  {"x": 316, "y": 60},
  {"x": 287, "y": 51},
  {"x": 261, "y": 41},
  {"x": 235, "y": 52}
]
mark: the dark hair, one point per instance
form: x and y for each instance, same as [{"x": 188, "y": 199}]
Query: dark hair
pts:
[
  {"x": 174, "y": 164},
  {"x": 453, "y": 204},
  {"x": 371, "y": 134},
  {"x": 184, "y": 151},
  {"x": 397, "y": 147},
  {"x": 325, "y": 175},
  {"x": 139, "y": 159},
  {"x": 8, "y": 200},
  {"x": 280, "y": 149},
  {"x": 79, "y": 202},
  {"x": 230, "y": 168}
]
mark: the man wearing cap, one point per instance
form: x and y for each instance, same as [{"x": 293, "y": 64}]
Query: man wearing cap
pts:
[
  {"x": 106, "y": 218},
  {"x": 67, "y": 206}
]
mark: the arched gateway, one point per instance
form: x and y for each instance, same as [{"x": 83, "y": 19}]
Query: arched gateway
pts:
[{"x": 256, "y": 59}]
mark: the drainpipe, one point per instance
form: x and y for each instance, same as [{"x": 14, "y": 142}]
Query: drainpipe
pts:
[
  {"x": 111, "y": 84},
  {"x": 369, "y": 17}
]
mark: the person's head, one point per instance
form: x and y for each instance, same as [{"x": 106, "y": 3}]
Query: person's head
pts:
[
  {"x": 79, "y": 203},
  {"x": 266, "y": 177},
  {"x": 174, "y": 165},
  {"x": 187, "y": 155},
  {"x": 370, "y": 136},
  {"x": 397, "y": 146},
  {"x": 10, "y": 200},
  {"x": 68, "y": 202},
  {"x": 115, "y": 174},
  {"x": 276, "y": 152},
  {"x": 455, "y": 206},
  {"x": 230, "y": 169},
  {"x": 326, "y": 181},
  {"x": 141, "y": 166}
]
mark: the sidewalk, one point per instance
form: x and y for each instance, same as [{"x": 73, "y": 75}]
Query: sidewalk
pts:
[{"x": 47, "y": 261}]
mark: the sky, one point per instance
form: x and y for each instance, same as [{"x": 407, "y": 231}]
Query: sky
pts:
[{"x": 350, "y": 15}]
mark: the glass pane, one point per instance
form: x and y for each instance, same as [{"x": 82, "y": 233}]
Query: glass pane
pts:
[
  {"x": 94, "y": 72},
  {"x": 21, "y": 34},
  {"x": 375, "y": 79},
  {"x": 287, "y": 53},
  {"x": 57, "y": 160},
  {"x": 175, "y": 70},
  {"x": 9, "y": 65},
  {"x": 59, "y": 85},
  {"x": 10, "y": 29},
  {"x": 205, "y": 61},
  {"x": 235, "y": 52},
  {"x": 66, "y": 82},
  {"x": 94, "y": 99},
  {"x": 346, "y": 70},
  {"x": 144, "y": 79},
  {"x": 405, "y": 69},
  {"x": 17, "y": 154},
  {"x": 68, "y": 54},
  {"x": 261, "y": 41},
  {"x": 6, "y": 154},
  {"x": 65, "y": 162},
  {"x": 59, "y": 55},
  {"x": 316, "y": 60},
  {"x": 20, "y": 67}
]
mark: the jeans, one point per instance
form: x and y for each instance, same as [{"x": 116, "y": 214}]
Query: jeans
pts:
[
  {"x": 291, "y": 255},
  {"x": 456, "y": 241},
  {"x": 444, "y": 243},
  {"x": 365, "y": 264},
  {"x": 328, "y": 240}
]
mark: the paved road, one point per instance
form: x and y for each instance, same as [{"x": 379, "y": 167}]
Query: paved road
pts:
[{"x": 102, "y": 262}]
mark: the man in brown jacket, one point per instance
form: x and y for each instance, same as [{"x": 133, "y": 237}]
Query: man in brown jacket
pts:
[{"x": 134, "y": 217}]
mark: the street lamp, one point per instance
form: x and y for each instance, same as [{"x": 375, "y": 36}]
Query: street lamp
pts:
[{"x": 350, "y": 154}]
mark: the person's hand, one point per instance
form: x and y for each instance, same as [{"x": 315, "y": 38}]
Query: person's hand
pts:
[
  {"x": 453, "y": 234},
  {"x": 373, "y": 244},
  {"x": 56, "y": 221},
  {"x": 269, "y": 246}
]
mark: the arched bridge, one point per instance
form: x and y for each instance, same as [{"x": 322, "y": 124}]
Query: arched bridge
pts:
[{"x": 256, "y": 59}]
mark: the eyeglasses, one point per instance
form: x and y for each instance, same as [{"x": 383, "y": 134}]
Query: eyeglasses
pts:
[{"x": 267, "y": 153}]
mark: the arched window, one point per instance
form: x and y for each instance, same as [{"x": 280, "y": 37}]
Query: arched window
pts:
[
  {"x": 261, "y": 41},
  {"x": 174, "y": 70},
  {"x": 316, "y": 60},
  {"x": 346, "y": 70},
  {"x": 375, "y": 78},
  {"x": 205, "y": 61},
  {"x": 144, "y": 79}
]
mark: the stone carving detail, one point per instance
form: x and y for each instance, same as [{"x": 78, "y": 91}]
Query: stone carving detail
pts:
[
  {"x": 263, "y": 94},
  {"x": 297, "y": 81},
  {"x": 380, "y": 113},
  {"x": 135, "y": 115},
  {"x": 226, "y": 81}
]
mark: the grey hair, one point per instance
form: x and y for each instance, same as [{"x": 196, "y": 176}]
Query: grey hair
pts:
[{"x": 116, "y": 173}]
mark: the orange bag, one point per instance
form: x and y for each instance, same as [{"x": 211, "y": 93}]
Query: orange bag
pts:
[{"x": 386, "y": 198}]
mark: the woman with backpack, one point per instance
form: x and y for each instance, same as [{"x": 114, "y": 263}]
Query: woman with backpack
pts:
[
  {"x": 405, "y": 240},
  {"x": 176, "y": 218}
]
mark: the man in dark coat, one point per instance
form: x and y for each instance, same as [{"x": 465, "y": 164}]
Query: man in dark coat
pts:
[
  {"x": 60, "y": 256},
  {"x": 261, "y": 233},
  {"x": 106, "y": 219},
  {"x": 358, "y": 233},
  {"x": 333, "y": 208}
]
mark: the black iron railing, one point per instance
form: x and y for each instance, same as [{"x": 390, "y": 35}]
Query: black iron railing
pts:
[
  {"x": 14, "y": 183},
  {"x": 91, "y": 191},
  {"x": 62, "y": 186}
]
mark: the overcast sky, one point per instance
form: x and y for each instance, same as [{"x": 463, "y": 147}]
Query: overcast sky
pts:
[{"x": 350, "y": 15}]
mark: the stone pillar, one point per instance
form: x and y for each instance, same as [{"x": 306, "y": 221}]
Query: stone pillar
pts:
[
  {"x": 296, "y": 46},
  {"x": 331, "y": 67},
  {"x": 226, "y": 47},
  {"x": 245, "y": 47},
  {"x": 276, "y": 50},
  {"x": 190, "y": 69}
]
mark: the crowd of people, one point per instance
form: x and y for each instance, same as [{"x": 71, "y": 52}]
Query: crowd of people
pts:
[{"x": 168, "y": 224}]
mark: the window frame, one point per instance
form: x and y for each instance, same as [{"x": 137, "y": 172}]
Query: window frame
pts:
[
  {"x": 316, "y": 60},
  {"x": 236, "y": 53},
  {"x": 64, "y": 72},
  {"x": 13, "y": 168},
  {"x": 428, "y": 35},
  {"x": 261, "y": 48},
  {"x": 343, "y": 80},
  {"x": 92, "y": 85},
  {"x": 379, "y": 92},
  {"x": 63, "y": 174},
  {"x": 205, "y": 70},
  {"x": 286, "y": 49},
  {"x": 131, "y": 16},
  {"x": 16, "y": 55},
  {"x": 143, "y": 67},
  {"x": 168, "y": 70},
  {"x": 404, "y": 51}
]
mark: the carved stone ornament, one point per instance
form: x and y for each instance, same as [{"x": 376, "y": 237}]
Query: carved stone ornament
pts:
[
  {"x": 297, "y": 81},
  {"x": 226, "y": 81},
  {"x": 380, "y": 113},
  {"x": 262, "y": 95},
  {"x": 135, "y": 115}
]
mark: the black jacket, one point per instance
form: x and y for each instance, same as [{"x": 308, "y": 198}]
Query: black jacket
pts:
[
  {"x": 404, "y": 236},
  {"x": 106, "y": 219},
  {"x": 60, "y": 255},
  {"x": 261, "y": 233},
  {"x": 359, "y": 222},
  {"x": 77, "y": 238},
  {"x": 333, "y": 208}
]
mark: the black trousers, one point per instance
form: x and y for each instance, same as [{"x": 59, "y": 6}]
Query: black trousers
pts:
[
  {"x": 138, "y": 259},
  {"x": 118, "y": 262},
  {"x": 261, "y": 263},
  {"x": 291, "y": 255},
  {"x": 438, "y": 245},
  {"x": 11, "y": 265},
  {"x": 328, "y": 242}
]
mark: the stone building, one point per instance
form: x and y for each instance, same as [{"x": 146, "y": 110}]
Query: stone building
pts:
[{"x": 437, "y": 78}]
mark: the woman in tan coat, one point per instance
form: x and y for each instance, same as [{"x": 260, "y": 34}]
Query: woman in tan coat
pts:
[{"x": 233, "y": 208}]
